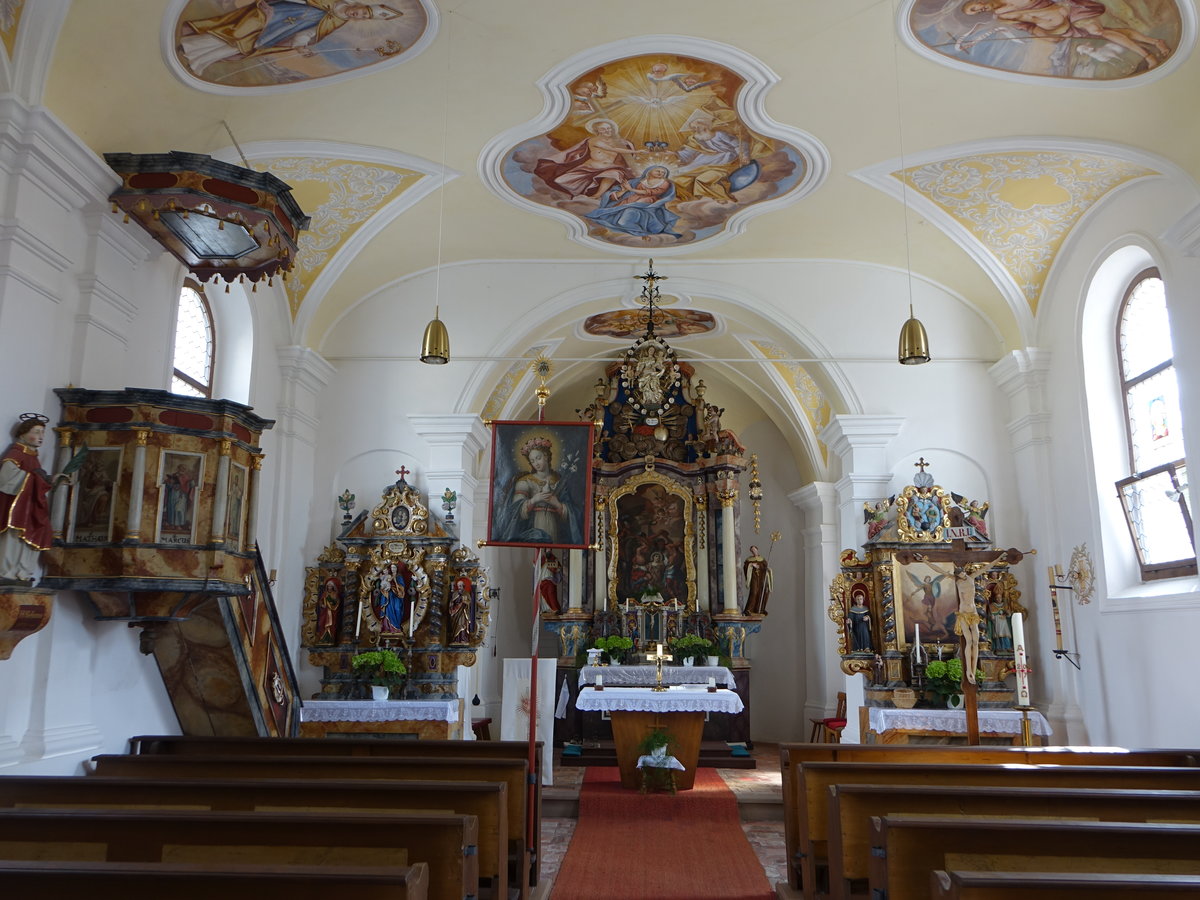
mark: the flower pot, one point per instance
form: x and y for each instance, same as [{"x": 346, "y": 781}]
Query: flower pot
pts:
[
  {"x": 689, "y": 661},
  {"x": 712, "y": 660},
  {"x": 380, "y": 691},
  {"x": 955, "y": 701}
]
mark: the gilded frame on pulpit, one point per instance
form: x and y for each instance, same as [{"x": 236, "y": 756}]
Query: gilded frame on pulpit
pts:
[{"x": 651, "y": 530}]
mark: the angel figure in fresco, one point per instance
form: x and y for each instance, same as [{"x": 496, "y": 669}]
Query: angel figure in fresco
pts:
[
  {"x": 592, "y": 166},
  {"x": 1058, "y": 21},
  {"x": 266, "y": 27},
  {"x": 639, "y": 207},
  {"x": 660, "y": 72},
  {"x": 586, "y": 97}
]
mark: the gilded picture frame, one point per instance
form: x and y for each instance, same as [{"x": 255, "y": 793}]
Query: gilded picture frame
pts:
[
  {"x": 651, "y": 514},
  {"x": 541, "y": 485}
]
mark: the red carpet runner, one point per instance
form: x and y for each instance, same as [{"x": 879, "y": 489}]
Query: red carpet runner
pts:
[{"x": 632, "y": 846}]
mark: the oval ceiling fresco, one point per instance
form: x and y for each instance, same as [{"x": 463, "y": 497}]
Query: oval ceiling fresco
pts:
[
  {"x": 656, "y": 150},
  {"x": 1080, "y": 40},
  {"x": 281, "y": 44},
  {"x": 631, "y": 323}
]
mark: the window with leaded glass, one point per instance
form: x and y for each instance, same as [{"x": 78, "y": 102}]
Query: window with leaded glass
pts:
[
  {"x": 195, "y": 344},
  {"x": 1154, "y": 496}
]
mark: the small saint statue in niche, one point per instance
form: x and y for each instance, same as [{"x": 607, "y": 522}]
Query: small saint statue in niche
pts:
[{"x": 860, "y": 628}]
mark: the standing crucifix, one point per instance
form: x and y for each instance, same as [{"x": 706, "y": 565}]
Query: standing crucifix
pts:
[
  {"x": 658, "y": 659},
  {"x": 962, "y": 565}
]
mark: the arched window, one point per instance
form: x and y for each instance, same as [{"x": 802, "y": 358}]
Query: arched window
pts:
[
  {"x": 195, "y": 344},
  {"x": 1154, "y": 495}
]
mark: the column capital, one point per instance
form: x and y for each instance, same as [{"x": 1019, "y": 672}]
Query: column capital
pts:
[
  {"x": 815, "y": 496},
  {"x": 304, "y": 367},
  {"x": 454, "y": 429},
  {"x": 1021, "y": 370},
  {"x": 861, "y": 442}
]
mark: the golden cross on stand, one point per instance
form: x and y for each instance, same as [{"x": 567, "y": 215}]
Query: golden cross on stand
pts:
[{"x": 658, "y": 658}]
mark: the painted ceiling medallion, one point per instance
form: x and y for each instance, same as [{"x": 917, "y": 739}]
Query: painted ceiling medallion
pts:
[
  {"x": 230, "y": 46},
  {"x": 662, "y": 148},
  {"x": 624, "y": 324},
  {"x": 1077, "y": 40}
]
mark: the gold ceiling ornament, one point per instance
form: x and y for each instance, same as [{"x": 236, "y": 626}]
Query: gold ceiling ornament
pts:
[
  {"x": 755, "y": 492},
  {"x": 914, "y": 342}
]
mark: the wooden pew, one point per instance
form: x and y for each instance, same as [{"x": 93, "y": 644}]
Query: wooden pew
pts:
[
  {"x": 853, "y": 806},
  {"x": 796, "y": 754},
  {"x": 487, "y": 801},
  {"x": 512, "y": 772},
  {"x": 907, "y": 849},
  {"x": 1059, "y": 886},
  {"x": 815, "y": 779},
  {"x": 445, "y": 842},
  {"x": 153, "y": 881}
]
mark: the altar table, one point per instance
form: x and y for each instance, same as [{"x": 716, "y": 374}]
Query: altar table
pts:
[
  {"x": 428, "y": 719},
  {"x": 629, "y": 676},
  {"x": 887, "y": 725},
  {"x": 679, "y": 711}
]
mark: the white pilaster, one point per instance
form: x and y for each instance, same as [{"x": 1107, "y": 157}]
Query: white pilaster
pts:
[
  {"x": 1022, "y": 377},
  {"x": 728, "y": 558},
  {"x": 862, "y": 443},
  {"x": 819, "y": 547},
  {"x": 455, "y": 442}
]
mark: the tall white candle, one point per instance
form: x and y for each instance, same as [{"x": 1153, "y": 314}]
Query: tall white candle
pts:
[
  {"x": 1020, "y": 659},
  {"x": 599, "y": 681},
  {"x": 712, "y": 682},
  {"x": 917, "y": 633},
  {"x": 659, "y": 651}
]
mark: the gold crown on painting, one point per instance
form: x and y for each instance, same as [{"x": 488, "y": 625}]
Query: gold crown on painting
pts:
[{"x": 657, "y": 154}]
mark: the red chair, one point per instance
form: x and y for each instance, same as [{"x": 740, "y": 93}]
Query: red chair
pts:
[{"x": 829, "y": 731}]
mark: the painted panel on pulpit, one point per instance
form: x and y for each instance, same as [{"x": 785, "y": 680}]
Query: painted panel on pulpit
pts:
[
  {"x": 235, "y": 512},
  {"x": 652, "y": 543},
  {"x": 93, "y": 497},
  {"x": 1083, "y": 40},
  {"x": 278, "y": 44},
  {"x": 179, "y": 490}
]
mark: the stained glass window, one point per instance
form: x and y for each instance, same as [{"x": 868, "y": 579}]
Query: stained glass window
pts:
[
  {"x": 1154, "y": 496},
  {"x": 194, "y": 344}
]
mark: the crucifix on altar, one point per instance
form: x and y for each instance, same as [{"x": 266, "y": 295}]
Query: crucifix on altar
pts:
[
  {"x": 658, "y": 658},
  {"x": 961, "y": 565}
]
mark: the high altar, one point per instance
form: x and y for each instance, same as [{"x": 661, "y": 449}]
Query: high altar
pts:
[{"x": 666, "y": 484}]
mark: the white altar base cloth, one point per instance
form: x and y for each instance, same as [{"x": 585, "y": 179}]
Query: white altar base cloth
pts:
[
  {"x": 644, "y": 675},
  {"x": 514, "y": 708},
  {"x": 379, "y": 711},
  {"x": 991, "y": 721},
  {"x": 660, "y": 762},
  {"x": 673, "y": 699}
]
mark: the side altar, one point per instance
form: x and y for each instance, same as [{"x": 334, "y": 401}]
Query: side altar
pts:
[
  {"x": 395, "y": 578},
  {"x": 930, "y": 593}
]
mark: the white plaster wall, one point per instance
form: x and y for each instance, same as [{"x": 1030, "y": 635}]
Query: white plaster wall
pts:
[{"x": 1127, "y": 636}]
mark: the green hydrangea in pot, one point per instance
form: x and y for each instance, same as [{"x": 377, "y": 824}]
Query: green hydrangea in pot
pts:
[
  {"x": 381, "y": 670},
  {"x": 616, "y": 648},
  {"x": 944, "y": 678},
  {"x": 690, "y": 647}
]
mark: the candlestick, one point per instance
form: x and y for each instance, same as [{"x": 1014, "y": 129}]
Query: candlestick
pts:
[{"x": 1020, "y": 659}]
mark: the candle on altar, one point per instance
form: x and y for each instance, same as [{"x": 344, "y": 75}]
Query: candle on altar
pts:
[
  {"x": 917, "y": 633},
  {"x": 358, "y": 624},
  {"x": 1055, "y": 573},
  {"x": 658, "y": 650},
  {"x": 1020, "y": 659},
  {"x": 712, "y": 682},
  {"x": 599, "y": 681}
]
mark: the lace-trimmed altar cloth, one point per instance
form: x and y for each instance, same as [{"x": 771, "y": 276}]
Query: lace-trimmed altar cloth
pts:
[
  {"x": 674, "y": 699},
  {"x": 644, "y": 675},
  {"x": 991, "y": 721},
  {"x": 379, "y": 711}
]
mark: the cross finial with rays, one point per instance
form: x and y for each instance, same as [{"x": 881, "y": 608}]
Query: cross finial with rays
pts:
[{"x": 650, "y": 297}]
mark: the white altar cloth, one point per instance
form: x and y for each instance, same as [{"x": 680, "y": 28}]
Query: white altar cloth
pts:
[
  {"x": 644, "y": 675},
  {"x": 674, "y": 699},
  {"x": 991, "y": 721},
  {"x": 380, "y": 710}
]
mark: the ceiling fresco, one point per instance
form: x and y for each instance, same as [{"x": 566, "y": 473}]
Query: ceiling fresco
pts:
[
  {"x": 627, "y": 324},
  {"x": 10, "y": 21},
  {"x": 653, "y": 151},
  {"x": 1082, "y": 40},
  {"x": 1021, "y": 205},
  {"x": 275, "y": 44}
]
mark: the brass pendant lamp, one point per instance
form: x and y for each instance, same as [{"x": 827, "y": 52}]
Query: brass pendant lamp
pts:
[
  {"x": 914, "y": 342},
  {"x": 435, "y": 345}
]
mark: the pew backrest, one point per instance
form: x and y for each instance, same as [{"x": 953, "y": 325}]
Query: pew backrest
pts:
[{"x": 1059, "y": 885}]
